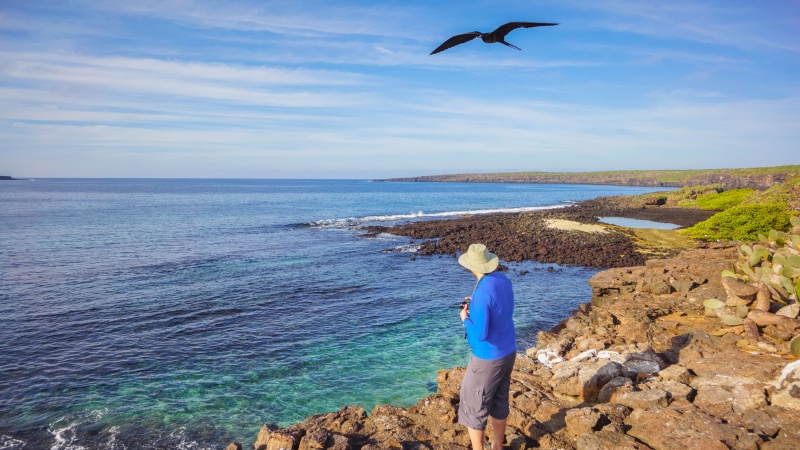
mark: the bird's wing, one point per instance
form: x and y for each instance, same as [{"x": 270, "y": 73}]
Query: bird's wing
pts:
[
  {"x": 503, "y": 30},
  {"x": 455, "y": 40}
]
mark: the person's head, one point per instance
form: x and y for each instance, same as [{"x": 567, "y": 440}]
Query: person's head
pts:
[{"x": 478, "y": 259}]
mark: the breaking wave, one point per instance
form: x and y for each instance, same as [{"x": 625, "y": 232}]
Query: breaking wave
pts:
[{"x": 355, "y": 221}]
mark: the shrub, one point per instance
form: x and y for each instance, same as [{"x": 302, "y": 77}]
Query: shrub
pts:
[
  {"x": 723, "y": 200},
  {"x": 742, "y": 223}
]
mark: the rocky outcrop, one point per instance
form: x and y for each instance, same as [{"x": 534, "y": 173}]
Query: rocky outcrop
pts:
[
  {"x": 526, "y": 236},
  {"x": 640, "y": 367}
]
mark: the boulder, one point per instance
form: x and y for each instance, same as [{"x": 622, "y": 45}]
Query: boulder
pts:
[
  {"x": 643, "y": 400},
  {"x": 613, "y": 388},
  {"x": 584, "y": 379},
  {"x": 270, "y": 438},
  {"x": 315, "y": 439}
]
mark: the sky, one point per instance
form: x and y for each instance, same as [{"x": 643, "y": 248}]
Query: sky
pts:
[{"x": 348, "y": 89}]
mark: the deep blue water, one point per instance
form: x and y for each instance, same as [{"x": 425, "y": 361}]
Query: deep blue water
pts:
[{"x": 145, "y": 313}]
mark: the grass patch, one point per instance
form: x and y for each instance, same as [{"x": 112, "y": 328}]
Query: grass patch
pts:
[
  {"x": 742, "y": 223},
  {"x": 655, "y": 243}
]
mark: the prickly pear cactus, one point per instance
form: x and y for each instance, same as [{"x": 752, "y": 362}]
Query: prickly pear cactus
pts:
[
  {"x": 763, "y": 288},
  {"x": 775, "y": 261}
]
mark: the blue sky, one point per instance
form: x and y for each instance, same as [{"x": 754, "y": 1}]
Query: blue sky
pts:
[{"x": 347, "y": 89}]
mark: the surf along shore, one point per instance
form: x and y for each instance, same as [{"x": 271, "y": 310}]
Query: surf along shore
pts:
[{"x": 641, "y": 365}]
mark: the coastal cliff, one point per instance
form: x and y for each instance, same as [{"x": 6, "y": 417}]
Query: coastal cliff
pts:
[
  {"x": 756, "y": 178},
  {"x": 641, "y": 366}
]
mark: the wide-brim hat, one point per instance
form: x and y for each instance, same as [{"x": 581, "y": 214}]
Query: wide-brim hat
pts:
[{"x": 479, "y": 259}]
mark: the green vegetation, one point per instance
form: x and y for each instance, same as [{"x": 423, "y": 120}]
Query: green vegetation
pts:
[
  {"x": 775, "y": 260},
  {"x": 742, "y": 223},
  {"x": 764, "y": 279},
  {"x": 719, "y": 201}
]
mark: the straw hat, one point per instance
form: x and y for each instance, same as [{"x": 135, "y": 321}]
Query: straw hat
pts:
[{"x": 479, "y": 259}]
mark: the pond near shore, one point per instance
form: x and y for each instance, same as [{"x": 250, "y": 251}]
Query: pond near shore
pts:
[{"x": 637, "y": 223}]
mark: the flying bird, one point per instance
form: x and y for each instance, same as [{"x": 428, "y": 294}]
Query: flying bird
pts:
[{"x": 498, "y": 35}]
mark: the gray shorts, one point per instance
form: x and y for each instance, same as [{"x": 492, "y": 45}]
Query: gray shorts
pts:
[{"x": 484, "y": 391}]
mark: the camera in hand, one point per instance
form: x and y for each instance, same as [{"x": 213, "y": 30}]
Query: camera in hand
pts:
[{"x": 463, "y": 304}]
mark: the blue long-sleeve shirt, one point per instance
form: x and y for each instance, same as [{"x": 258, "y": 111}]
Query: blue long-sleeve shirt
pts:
[{"x": 490, "y": 326}]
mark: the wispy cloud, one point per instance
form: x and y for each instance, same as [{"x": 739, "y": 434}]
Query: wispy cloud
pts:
[{"x": 245, "y": 88}]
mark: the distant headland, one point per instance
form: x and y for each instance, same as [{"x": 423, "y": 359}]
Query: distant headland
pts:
[
  {"x": 6, "y": 177},
  {"x": 756, "y": 178}
]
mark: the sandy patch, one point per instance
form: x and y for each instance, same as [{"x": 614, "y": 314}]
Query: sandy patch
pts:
[{"x": 570, "y": 225}]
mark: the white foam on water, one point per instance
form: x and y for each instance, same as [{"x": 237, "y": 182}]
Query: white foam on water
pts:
[
  {"x": 410, "y": 248},
  {"x": 10, "y": 443},
  {"x": 64, "y": 429},
  {"x": 354, "y": 221},
  {"x": 183, "y": 444}
]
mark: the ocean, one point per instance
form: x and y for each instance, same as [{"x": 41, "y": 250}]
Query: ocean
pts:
[{"x": 178, "y": 313}]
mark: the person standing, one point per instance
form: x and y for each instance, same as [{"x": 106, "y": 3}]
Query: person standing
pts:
[{"x": 487, "y": 317}]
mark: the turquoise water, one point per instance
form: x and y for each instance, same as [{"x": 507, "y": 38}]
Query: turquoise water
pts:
[{"x": 187, "y": 313}]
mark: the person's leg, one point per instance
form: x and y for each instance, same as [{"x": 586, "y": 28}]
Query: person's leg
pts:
[
  {"x": 472, "y": 409},
  {"x": 476, "y": 437},
  {"x": 499, "y": 426},
  {"x": 499, "y": 410}
]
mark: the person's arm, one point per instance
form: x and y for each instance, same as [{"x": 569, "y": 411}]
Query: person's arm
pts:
[{"x": 477, "y": 322}]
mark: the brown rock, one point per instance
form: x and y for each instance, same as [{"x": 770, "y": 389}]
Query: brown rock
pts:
[
  {"x": 714, "y": 400},
  {"x": 276, "y": 439},
  {"x": 582, "y": 421},
  {"x": 555, "y": 442},
  {"x": 234, "y": 446},
  {"x": 737, "y": 288},
  {"x": 781, "y": 443},
  {"x": 691, "y": 348},
  {"x": 315, "y": 439},
  {"x": 675, "y": 372},
  {"x": 614, "y": 416},
  {"x": 731, "y": 364},
  {"x": 643, "y": 400},
  {"x": 683, "y": 286},
  {"x": 684, "y": 426},
  {"x": 550, "y": 416},
  {"x": 763, "y": 299},
  {"x": 785, "y": 391},
  {"x": 789, "y": 311},
  {"x": 676, "y": 390},
  {"x": 750, "y": 329},
  {"x": 584, "y": 379},
  {"x": 763, "y": 318},
  {"x": 606, "y": 440},
  {"x": 614, "y": 387},
  {"x": 749, "y": 396},
  {"x": 339, "y": 442}
]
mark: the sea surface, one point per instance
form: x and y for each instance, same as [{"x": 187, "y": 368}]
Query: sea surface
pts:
[{"x": 156, "y": 313}]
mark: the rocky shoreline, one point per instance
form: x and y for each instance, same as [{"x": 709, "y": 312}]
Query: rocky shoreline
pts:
[
  {"x": 642, "y": 366},
  {"x": 639, "y": 367},
  {"x": 528, "y": 237}
]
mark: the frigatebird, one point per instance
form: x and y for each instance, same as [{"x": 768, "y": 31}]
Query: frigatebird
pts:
[{"x": 497, "y": 35}]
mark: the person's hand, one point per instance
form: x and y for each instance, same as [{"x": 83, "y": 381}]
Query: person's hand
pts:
[{"x": 464, "y": 313}]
